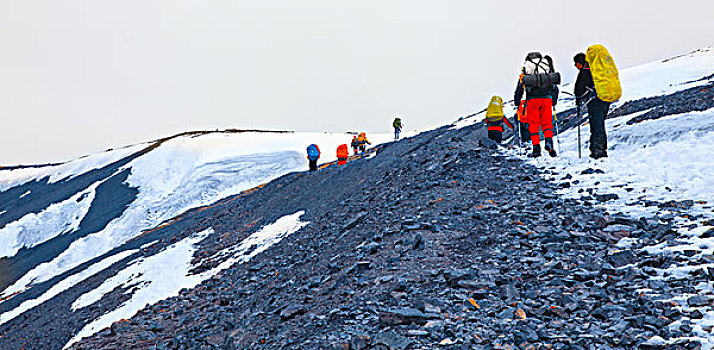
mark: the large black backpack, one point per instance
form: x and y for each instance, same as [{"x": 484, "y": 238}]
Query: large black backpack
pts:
[{"x": 539, "y": 72}]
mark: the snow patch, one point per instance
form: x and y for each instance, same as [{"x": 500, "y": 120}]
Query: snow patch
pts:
[
  {"x": 163, "y": 275},
  {"x": 65, "y": 284},
  {"x": 36, "y": 228},
  {"x": 659, "y": 160},
  {"x": 15, "y": 177}
]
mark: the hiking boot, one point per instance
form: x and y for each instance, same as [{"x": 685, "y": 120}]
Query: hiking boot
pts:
[
  {"x": 598, "y": 155},
  {"x": 536, "y": 151},
  {"x": 549, "y": 147}
]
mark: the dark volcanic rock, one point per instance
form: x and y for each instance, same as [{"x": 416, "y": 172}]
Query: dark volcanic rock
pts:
[
  {"x": 606, "y": 197},
  {"x": 292, "y": 311},
  {"x": 698, "y": 300},
  {"x": 622, "y": 258},
  {"x": 402, "y": 315}
]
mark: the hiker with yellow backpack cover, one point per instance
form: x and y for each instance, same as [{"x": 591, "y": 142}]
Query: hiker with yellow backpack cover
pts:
[
  {"x": 597, "y": 86},
  {"x": 495, "y": 119}
]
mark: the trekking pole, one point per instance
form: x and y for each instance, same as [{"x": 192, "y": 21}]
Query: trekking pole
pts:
[
  {"x": 519, "y": 133},
  {"x": 579, "y": 121},
  {"x": 557, "y": 132}
]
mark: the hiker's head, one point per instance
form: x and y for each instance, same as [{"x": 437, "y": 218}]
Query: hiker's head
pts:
[{"x": 579, "y": 60}]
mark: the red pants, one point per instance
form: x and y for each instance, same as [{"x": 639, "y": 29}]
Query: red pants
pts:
[
  {"x": 341, "y": 161},
  {"x": 539, "y": 112}
]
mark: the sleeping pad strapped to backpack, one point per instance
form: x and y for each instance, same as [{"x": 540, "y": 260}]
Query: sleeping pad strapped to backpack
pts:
[{"x": 539, "y": 72}]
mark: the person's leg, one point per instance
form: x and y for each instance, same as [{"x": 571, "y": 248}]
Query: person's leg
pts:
[
  {"x": 546, "y": 123},
  {"x": 313, "y": 165},
  {"x": 533, "y": 112},
  {"x": 597, "y": 110},
  {"x": 535, "y": 109},
  {"x": 491, "y": 135}
]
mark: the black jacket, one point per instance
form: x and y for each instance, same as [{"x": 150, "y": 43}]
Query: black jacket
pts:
[
  {"x": 584, "y": 84},
  {"x": 535, "y": 92}
]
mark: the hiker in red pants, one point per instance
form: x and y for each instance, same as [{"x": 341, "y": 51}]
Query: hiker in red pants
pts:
[{"x": 539, "y": 81}]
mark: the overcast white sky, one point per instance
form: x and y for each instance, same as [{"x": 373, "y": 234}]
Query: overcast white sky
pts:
[{"x": 81, "y": 76}]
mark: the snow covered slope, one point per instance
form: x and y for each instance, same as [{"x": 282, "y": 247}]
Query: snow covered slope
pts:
[
  {"x": 60, "y": 225},
  {"x": 55, "y": 219}
]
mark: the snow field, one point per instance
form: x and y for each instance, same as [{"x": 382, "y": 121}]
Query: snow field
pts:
[
  {"x": 68, "y": 170},
  {"x": 33, "y": 229},
  {"x": 163, "y": 275}
]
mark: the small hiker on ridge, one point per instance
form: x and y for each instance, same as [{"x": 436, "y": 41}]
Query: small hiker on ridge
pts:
[
  {"x": 495, "y": 118},
  {"x": 397, "y": 124},
  {"x": 342, "y": 154},
  {"x": 313, "y": 154},
  {"x": 362, "y": 141},
  {"x": 539, "y": 81},
  {"x": 355, "y": 144}
]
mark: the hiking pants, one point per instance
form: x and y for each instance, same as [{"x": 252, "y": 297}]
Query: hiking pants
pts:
[
  {"x": 597, "y": 109},
  {"x": 495, "y": 135},
  {"x": 396, "y": 133},
  {"x": 313, "y": 164},
  {"x": 341, "y": 161},
  {"x": 540, "y": 117}
]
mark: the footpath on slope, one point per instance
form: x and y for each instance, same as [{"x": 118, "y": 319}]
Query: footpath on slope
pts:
[{"x": 435, "y": 240}]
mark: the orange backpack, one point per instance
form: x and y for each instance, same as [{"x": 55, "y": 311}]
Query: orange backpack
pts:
[{"x": 342, "y": 151}]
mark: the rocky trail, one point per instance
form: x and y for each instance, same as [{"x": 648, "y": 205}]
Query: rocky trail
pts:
[{"x": 437, "y": 241}]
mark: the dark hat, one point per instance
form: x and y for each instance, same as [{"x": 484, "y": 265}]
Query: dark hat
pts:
[{"x": 580, "y": 58}]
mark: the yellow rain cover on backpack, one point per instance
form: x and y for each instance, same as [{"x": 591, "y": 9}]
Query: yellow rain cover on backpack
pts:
[
  {"x": 494, "y": 112},
  {"x": 605, "y": 75}
]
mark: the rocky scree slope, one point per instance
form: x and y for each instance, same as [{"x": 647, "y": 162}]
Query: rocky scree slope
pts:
[{"x": 438, "y": 239}]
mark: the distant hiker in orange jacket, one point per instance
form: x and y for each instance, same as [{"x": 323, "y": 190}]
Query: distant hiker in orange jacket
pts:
[
  {"x": 313, "y": 154},
  {"x": 362, "y": 141},
  {"x": 342, "y": 154}
]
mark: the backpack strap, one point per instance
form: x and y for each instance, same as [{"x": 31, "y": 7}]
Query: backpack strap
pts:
[{"x": 550, "y": 63}]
